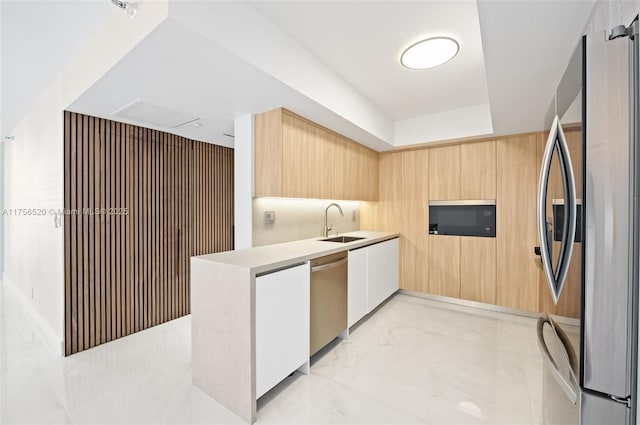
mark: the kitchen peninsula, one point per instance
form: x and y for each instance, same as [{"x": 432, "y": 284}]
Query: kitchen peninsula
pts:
[{"x": 240, "y": 299}]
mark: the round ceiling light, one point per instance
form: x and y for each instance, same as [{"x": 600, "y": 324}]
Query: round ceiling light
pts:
[{"x": 430, "y": 53}]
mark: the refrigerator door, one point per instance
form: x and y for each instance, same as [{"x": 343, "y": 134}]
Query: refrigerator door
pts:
[
  {"x": 609, "y": 159},
  {"x": 561, "y": 391},
  {"x": 596, "y": 410}
]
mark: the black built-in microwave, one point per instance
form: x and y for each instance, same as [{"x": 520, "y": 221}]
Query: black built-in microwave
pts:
[
  {"x": 463, "y": 218},
  {"x": 558, "y": 219}
]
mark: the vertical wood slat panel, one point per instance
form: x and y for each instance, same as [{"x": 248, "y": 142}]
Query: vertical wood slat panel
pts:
[
  {"x": 116, "y": 229},
  {"x": 156, "y": 232},
  {"x": 212, "y": 202},
  {"x": 186, "y": 159},
  {"x": 172, "y": 210},
  {"x": 162, "y": 240},
  {"x": 81, "y": 232},
  {"x": 108, "y": 234},
  {"x": 135, "y": 213},
  {"x": 152, "y": 200},
  {"x": 129, "y": 217},
  {"x": 103, "y": 235},
  {"x": 154, "y": 229},
  {"x": 187, "y": 221},
  {"x": 125, "y": 272},
  {"x": 73, "y": 202},
  {"x": 68, "y": 309},
  {"x": 96, "y": 230},
  {"x": 184, "y": 213},
  {"x": 145, "y": 225},
  {"x": 90, "y": 219}
]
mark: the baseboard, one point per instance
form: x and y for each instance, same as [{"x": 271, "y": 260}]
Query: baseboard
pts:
[
  {"x": 474, "y": 304},
  {"x": 490, "y": 307},
  {"x": 49, "y": 336}
]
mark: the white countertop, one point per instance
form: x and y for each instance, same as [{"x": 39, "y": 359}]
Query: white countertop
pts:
[{"x": 269, "y": 257}]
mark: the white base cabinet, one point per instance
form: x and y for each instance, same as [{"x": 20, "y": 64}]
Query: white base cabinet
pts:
[
  {"x": 282, "y": 325},
  {"x": 374, "y": 275},
  {"x": 383, "y": 270}
]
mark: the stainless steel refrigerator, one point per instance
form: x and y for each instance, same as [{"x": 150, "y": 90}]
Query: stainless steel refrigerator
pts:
[{"x": 589, "y": 229}]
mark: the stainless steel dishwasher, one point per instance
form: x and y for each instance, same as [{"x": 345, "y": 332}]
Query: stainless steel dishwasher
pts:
[{"x": 328, "y": 299}]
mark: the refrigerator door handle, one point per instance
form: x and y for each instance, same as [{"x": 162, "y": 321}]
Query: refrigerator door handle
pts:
[
  {"x": 569, "y": 387},
  {"x": 558, "y": 142}
]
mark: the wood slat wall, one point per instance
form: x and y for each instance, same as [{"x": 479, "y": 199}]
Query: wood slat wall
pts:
[
  {"x": 160, "y": 199},
  {"x": 209, "y": 195}
]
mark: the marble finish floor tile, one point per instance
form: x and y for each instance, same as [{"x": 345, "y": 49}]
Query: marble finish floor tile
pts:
[
  {"x": 414, "y": 361},
  {"x": 419, "y": 361}
]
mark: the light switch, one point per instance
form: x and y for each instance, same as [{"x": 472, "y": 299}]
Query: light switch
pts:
[{"x": 269, "y": 217}]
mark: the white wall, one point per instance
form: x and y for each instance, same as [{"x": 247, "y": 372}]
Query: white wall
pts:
[
  {"x": 243, "y": 181},
  {"x": 471, "y": 121},
  {"x": 1, "y": 207},
  {"x": 607, "y": 14},
  {"x": 34, "y": 170},
  {"x": 300, "y": 219}
]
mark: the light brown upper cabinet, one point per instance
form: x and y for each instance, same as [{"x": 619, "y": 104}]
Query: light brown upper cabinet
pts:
[
  {"x": 297, "y": 158},
  {"x": 389, "y": 209},
  {"x": 516, "y": 235},
  {"x": 478, "y": 170},
  {"x": 268, "y": 153},
  {"x": 444, "y": 173}
]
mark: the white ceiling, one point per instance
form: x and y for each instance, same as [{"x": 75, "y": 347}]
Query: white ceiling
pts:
[
  {"x": 335, "y": 63},
  {"x": 527, "y": 46},
  {"x": 362, "y": 42},
  {"x": 213, "y": 84}
]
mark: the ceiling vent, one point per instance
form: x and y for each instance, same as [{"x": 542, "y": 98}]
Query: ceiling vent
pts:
[{"x": 147, "y": 113}]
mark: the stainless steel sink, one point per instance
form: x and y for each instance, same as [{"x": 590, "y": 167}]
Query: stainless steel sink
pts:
[{"x": 342, "y": 239}]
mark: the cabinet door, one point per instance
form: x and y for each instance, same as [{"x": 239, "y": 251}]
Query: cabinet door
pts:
[
  {"x": 296, "y": 157},
  {"x": 282, "y": 325},
  {"x": 444, "y": 265},
  {"x": 357, "y": 285},
  {"x": 268, "y": 154},
  {"x": 444, "y": 173},
  {"x": 516, "y": 234},
  {"x": 478, "y": 170},
  {"x": 383, "y": 270},
  {"x": 414, "y": 241},
  {"x": 478, "y": 269},
  {"x": 371, "y": 176}
]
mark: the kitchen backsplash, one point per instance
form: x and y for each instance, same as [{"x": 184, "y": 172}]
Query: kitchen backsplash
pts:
[{"x": 296, "y": 219}]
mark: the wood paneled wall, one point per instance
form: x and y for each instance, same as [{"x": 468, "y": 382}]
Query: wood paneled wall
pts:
[
  {"x": 212, "y": 194},
  {"x": 501, "y": 270},
  {"x": 138, "y": 203}
]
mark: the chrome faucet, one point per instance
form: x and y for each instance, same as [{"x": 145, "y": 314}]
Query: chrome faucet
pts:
[{"x": 328, "y": 228}]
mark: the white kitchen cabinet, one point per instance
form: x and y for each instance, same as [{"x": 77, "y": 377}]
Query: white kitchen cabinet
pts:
[
  {"x": 383, "y": 271},
  {"x": 282, "y": 325},
  {"x": 374, "y": 275},
  {"x": 357, "y": 285}
]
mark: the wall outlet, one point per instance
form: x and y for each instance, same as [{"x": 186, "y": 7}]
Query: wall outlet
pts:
[
  {"x": 269, "y": 217},
  {"x": 353, "y": 215}
]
